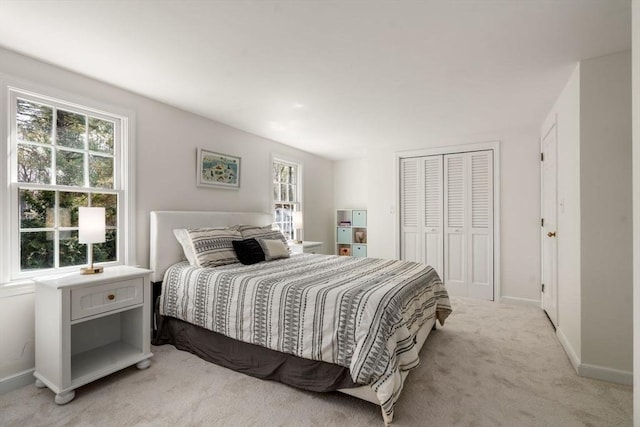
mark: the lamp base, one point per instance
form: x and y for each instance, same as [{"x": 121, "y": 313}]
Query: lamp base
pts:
[{"x": 91, "y": 270}]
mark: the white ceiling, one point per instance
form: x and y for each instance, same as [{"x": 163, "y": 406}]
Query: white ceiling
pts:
[{"x": 333, "y": 78}]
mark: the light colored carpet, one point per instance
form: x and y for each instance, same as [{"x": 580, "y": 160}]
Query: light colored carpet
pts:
[{"x": 491, "y": 365}]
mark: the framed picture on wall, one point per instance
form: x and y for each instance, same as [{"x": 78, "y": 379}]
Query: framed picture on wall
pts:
[{"x": 216, "y": 170}]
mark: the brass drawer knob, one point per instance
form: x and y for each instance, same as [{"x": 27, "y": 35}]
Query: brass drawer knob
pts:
[{"x": 111, "y": 297}]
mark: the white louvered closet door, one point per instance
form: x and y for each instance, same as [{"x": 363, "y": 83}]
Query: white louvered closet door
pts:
[
  {"x": 446, "y": 218},
  {"x": 455, "y": 220},
  {"x": 411, "y": 207},
  {"x": 421, "y": 226},
  {"x": 468, "y": 237},
  {"x": 480, "y": 234},
  {"x": 433, "y": 226}
]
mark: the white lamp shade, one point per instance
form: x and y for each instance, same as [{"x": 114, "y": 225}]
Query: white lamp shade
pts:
[
  {"x": 91, "y": 225},
  {"x": 297, "y": 219}
]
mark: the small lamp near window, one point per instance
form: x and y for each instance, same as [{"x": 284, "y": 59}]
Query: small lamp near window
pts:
[
  {"x": 297, "y": 225},
  {"x": 91, "y": 229}
]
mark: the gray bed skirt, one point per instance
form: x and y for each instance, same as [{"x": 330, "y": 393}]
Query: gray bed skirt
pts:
[{"x": 251, "y": 359}]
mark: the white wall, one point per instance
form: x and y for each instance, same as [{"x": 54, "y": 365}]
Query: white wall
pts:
[
  {"x": 350, "y": 189},
  {"x": 606, "y": 212},
  {"x": 166, "y": 159},
  {"x": 594, "y": 217},
  {"x": 520, "y": 210},
  {"x": 520, "y": 216},
  {"x": 350, "y": 183},
  {"x": 167, "y": 139},
  {"x": 566, "y": 111},
  {"x": 636, "y": 208},
  {"x": 17, "y": 346}
]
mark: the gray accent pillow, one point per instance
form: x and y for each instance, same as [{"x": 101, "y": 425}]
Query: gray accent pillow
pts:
[{"x": 274, "y": 249}]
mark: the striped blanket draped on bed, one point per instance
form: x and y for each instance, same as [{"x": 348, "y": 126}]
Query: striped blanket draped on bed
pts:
[{"x": 360, "y": 313}]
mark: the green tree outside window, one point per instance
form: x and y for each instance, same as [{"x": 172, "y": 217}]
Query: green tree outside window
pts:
[{"x": 65, "y": 160}]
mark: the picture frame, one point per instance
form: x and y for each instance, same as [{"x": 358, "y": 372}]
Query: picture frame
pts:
[{"x": 217, "y": 170}]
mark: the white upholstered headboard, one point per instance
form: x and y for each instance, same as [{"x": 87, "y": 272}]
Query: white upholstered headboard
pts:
[{"x": 165, "y": 249}]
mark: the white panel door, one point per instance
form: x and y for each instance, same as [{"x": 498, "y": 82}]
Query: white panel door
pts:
[
  {"x": 455, "y": 219},
  {"x": 433, "y": 224},
  {"x": 480, "y": 224},
  {"x": 549, "y": 215},
  {"x": 411, "y": 207}
]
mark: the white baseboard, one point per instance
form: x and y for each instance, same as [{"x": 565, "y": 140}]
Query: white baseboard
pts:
[
  {"x": 568, "y": 348},
  {"x": 16, "y": 381},
  {"x": 520, "y": 301},
  {"x": 595, "y": 372},
  {"x": 606, "y": 374}
]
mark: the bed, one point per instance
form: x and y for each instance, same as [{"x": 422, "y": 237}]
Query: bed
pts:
[{"x": 317, "y": 322}]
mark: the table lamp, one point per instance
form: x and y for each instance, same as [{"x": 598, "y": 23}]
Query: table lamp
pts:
[
  {"x": 297, "y": 225},
  {"x": 91, "y": 229}
]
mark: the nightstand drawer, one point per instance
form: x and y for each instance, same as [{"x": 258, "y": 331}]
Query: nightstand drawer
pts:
[
  {"x": 103, "y": 298},
  {"x": 313, "y": 248}
]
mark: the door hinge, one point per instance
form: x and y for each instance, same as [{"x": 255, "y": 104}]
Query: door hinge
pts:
[
  {"x": 541, "y": 222},
  {"x": 542, "y": 157},
  {"x": 543, "y": 287}
]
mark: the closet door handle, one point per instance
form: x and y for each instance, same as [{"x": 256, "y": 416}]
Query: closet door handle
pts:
[{"x": 551, "y": 234}]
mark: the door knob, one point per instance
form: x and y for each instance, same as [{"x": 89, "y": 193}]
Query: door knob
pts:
[{"x": 551, "y": 234}]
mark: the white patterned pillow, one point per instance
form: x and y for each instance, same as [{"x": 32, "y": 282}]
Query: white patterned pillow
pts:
[
  {"x": 271, "y": 232},
  {"x": 213, "y": 247},
  {"x": 182, "y": 236}
]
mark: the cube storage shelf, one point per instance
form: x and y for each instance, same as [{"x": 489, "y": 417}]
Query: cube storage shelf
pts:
[{"x": 351, "y": 232}]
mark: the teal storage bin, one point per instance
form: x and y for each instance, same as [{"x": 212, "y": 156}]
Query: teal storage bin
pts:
[
  {"x": 359, "y": 219},
  {"x": 359, "y": 250},
  {"x": 344, "y": 235}
]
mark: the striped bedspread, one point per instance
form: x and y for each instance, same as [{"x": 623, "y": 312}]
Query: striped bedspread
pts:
[{"x": 360, "y": 313}]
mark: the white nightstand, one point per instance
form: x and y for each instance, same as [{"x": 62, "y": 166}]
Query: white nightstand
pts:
[
  {"x": 306, "y": 247},
  {"x": 90, "y": 326}
]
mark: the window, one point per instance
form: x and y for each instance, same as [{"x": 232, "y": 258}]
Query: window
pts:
[
  {"x": 287, "y": 192},
  {"x": 62, "y": 156}
]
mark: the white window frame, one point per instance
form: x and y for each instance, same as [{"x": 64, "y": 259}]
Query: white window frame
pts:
[
  {"x": 275, "y": 158},
  {"x": 124, "y": 177}
]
